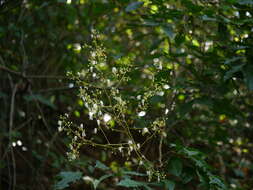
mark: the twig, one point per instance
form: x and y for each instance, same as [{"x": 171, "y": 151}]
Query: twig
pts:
[
  {"x": 160, "y": 151},
  {"x": 30, "y": 76},
  {"x": 10, "y": 132}
]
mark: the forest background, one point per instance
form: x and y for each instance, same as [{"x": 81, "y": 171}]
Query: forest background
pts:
[{"x": 112, "y": 94}]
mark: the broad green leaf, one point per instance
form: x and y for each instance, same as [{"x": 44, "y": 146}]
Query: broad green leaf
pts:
[
  {"x": 169, "y": 185},
  {"x": 168, "y": 30},
  {"x": 134, "y": 173},
  {"x": 131, "y": 183},
  {"x": 41, "y": 99},
  {"x": 175, "y": 166},
  {"x": 133, "y": 6},
  {"x": 187, "y": 176},
  {"x": 248, "y": 76},
  {"x": 101, "y": 166},
  {"x": 232, "y": 71},
  {"x": 214, "y": 180},
  {"x": 245, "y": 2},
  {"x": 67, "y": 177},
  {"x": 96, "y": 182}
]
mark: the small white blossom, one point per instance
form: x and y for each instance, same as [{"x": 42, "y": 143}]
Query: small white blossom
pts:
[
  {"x": 91, "y": 115},
  {"x": 60, "y": 123},
  {"x": 142, "y": 113},
  {"x": 19, "y": 143},
  {"x": 107, "y": 118},
  {"x": 93, "y": 54},
  {"x": 24, "y": 148},
  {"x": 71, "y": 85},
  {"x": 156, "y": 60},
  {"x": 145, "y": 130},
  {"x": 95, "y": 131},
  {"x": 87, "y": 178},
  {"x": 161, "y": 93},
  {"x": 130, "y": 142},
  {"x": 166, "y": 86},
  {"x": 14, "y": 144},
  {"x": 114, "y": 70},
  {"x": 120, "y": 149}
]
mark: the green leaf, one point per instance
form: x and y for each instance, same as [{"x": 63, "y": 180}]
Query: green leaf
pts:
[
  {"x": 168, "y": 30},
  {"x": 170, "y": 185},
  {"x": 175, "y": 166},
  {"x": 187, "y": 176},
  {"x": 101, "y": 166},
  {"x": 233, "y": 70},
  {"x": 133, "y": 6},
  {"x": 214, "y": 180},
  {"x": 131, "y": 183},
  {"x": 96, "y": 182},
  {"x": 206, "y": 18},
  {"x": 67, "y": 177},
  {"x": 245, "y": 2},
  {"x": 133, "y": 173},
  {"x": 41, "y": 99},
  {"x": 248, "y": 76}
]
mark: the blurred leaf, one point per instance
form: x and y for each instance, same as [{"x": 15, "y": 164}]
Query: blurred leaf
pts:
[
  {"x": 131, "y": 183},
  {"x": 133, "y": 173},
  {"x": 232, "y": 71},
  {"x": 67, "y": 177},
  {"x": 169, "y": 185},
  {"x": 101, "y": 166},
  {"x": 168, "y": 30},
  {"x": 133, "y": 6},
  {"x": 96, "y": 182},
  {"x": 41, "y": 99},
  {"x": 248, "y": 75},
  {"x": 175, "y": 166}
]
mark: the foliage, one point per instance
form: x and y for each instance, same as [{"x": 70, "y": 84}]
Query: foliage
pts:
[{"x": 158, "y": 94}]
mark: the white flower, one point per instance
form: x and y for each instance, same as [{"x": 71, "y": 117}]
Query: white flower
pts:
[
  {"x": 91, "y": 115},
  {"x": 19, "y": 142},
  {"x": 114, "y": 70},
  {"x": 156, "y": 60},
  {"x": 13, "y": 144},
  {"x": 120, "y": 149},
  {"x": 93, "y": 54},
  {"x": 71, "y": 85},
  {"x": 130, "y": 142},
  {"x": 87, "y": 178},
  {"x": 60, "y": 129},
  {"x": 95, "y": 131},
  {"x": 161, "y": 93},
  {"x": 142, "y": 113},
  {"x": 107, "y": 118},
  {"x": 166, "y": 86},
  {"x": 60, "y": 123},
  {"x": 145, "y": 130}
]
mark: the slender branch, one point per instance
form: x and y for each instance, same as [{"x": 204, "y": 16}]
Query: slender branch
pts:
[
  {"x": 31, "y": 76},
  {"x": 12, "y": 106}
]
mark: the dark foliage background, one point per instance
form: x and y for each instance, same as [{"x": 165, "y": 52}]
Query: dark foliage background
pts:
[{"x": 205, "y": 48}]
